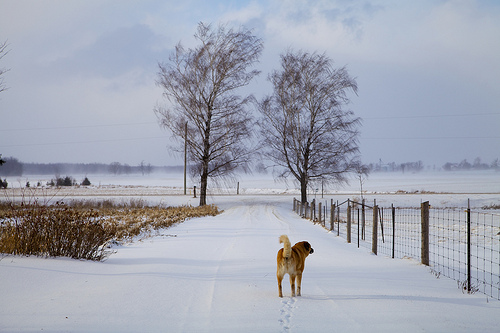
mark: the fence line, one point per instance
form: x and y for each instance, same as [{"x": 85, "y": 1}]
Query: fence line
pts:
[{"x": 455, "y": 243}]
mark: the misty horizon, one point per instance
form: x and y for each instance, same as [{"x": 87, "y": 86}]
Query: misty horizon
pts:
[{"x": 21, "y": 168}]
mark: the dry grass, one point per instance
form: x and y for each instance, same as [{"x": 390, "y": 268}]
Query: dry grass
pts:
[{"x": 83, "y": 229}]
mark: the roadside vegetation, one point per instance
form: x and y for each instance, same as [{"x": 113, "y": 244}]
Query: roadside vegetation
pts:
[{"x": 84, "y": 229}]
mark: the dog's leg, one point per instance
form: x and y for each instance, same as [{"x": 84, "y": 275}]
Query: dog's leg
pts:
[
  {"x": 292, "y": 284},
  {"x": 299, "y": 283},
  {"x": 280, "y": 278}
]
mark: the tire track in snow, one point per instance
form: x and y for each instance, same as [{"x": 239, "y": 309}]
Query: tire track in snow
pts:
[
  {"x": 262, "y": 223},
  {"x": 246, "y": 240}
]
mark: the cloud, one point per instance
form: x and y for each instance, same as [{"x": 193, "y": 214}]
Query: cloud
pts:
[
  {"x": 114, "y": 53},
  {"x": 245, "y": 14}
]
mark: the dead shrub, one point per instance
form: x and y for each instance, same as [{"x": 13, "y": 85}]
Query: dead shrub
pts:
[
  {"x": 83, "y": 229},
  {"x": 53, "y": 231}
]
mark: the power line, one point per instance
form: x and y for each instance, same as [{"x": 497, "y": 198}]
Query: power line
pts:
[
  {"x": 80, "y": 142},
  {"x": 434, "y": 116},
  {"x": 76, "y": 126},
  {"x": 435, "y": 138},
  {"x": 166, "y": 137}
]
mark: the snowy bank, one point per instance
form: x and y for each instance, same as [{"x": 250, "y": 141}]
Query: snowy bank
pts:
[{"x": 217, "y": 274}]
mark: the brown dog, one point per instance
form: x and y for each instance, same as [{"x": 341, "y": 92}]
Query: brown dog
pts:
[{"x": 291, "y": 261}]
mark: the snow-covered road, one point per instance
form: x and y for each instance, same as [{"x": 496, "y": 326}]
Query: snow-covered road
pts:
[{"x": 217, "y": 274}]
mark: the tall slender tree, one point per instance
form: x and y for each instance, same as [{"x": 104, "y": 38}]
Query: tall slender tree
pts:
[
  {"x": 201, "y": 85},
  {"x": 306, "y": 130}
]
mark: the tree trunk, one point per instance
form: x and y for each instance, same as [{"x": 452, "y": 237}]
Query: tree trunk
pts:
[
  {"x": 204, "y": 182},
  {"x": 203, "y": 189},
  {"x": 205, "y": 159},
  {"x": 303, "y": 190}
]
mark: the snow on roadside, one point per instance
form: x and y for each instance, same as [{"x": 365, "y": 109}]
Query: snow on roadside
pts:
[{"x": 217, "y": 274}]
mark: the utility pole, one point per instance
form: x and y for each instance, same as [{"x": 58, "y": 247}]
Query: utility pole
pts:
[{"x": 185, "y": 156}]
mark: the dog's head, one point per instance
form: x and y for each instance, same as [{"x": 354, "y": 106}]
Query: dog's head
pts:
[{"x": 308, "y": 247}]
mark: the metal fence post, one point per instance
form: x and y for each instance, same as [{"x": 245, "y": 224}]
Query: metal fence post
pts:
[
  {"x": 468, "y": 248},
  {"x": 393, "y": 229},
  {"x": 358, "y": 227},
  {"x": 332, "y": 216},
  {"x": 363, "y": 220},
  {"x": 324, "y": 215},
  {"x": 424, "y": 213},
  {"x": 338, "y": 219},
  {"x": 348, "y": 221},
  {"x": 375, "y": 228}
]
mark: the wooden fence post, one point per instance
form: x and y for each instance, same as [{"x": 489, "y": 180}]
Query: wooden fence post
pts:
[
  {"x": 348, "y": 221},
  {"x": 332, "y": 216},
  {"x": 375, "y": 229},
  {"x": 424, "y": 219},
  {"x": 320, "y": 215}
]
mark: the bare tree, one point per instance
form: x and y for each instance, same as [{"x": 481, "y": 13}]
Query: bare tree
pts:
[
  {"x": 201, "y": 85},
  {"x": 362, "y": 172},
  {"x": 3, "y": 53},
  {"x": 306, "y": 131}
]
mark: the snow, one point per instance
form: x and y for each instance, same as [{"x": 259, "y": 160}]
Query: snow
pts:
[{"x": 217, "y": 274}]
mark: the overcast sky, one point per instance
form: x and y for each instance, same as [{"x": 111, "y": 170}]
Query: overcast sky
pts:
[{"x": 82, "y": 73}]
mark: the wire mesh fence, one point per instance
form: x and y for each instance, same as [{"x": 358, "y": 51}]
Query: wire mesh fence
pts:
[
  {"x": 455, "y": 243},
  {"x": 466, "y": 248}
]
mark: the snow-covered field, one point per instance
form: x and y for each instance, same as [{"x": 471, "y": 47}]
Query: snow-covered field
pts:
[
  {"x": 217, "y": 274},
  {"x": 442, "y": 189}
]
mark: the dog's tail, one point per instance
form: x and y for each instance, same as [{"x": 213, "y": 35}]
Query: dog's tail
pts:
[{"x": 287, "y": 247}]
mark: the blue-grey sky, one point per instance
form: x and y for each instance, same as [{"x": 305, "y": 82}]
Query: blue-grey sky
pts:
[{"x": 82, "y": 72}]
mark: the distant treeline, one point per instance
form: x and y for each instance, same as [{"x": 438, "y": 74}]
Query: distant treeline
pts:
[
  {"x": 13, "y": 167},
  {"x": 477, "y": 164},
  {"x": 396, "y": 167}
]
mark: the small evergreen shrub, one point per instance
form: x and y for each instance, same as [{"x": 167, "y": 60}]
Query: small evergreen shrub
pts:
[{"x": 86, "y": 182}]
